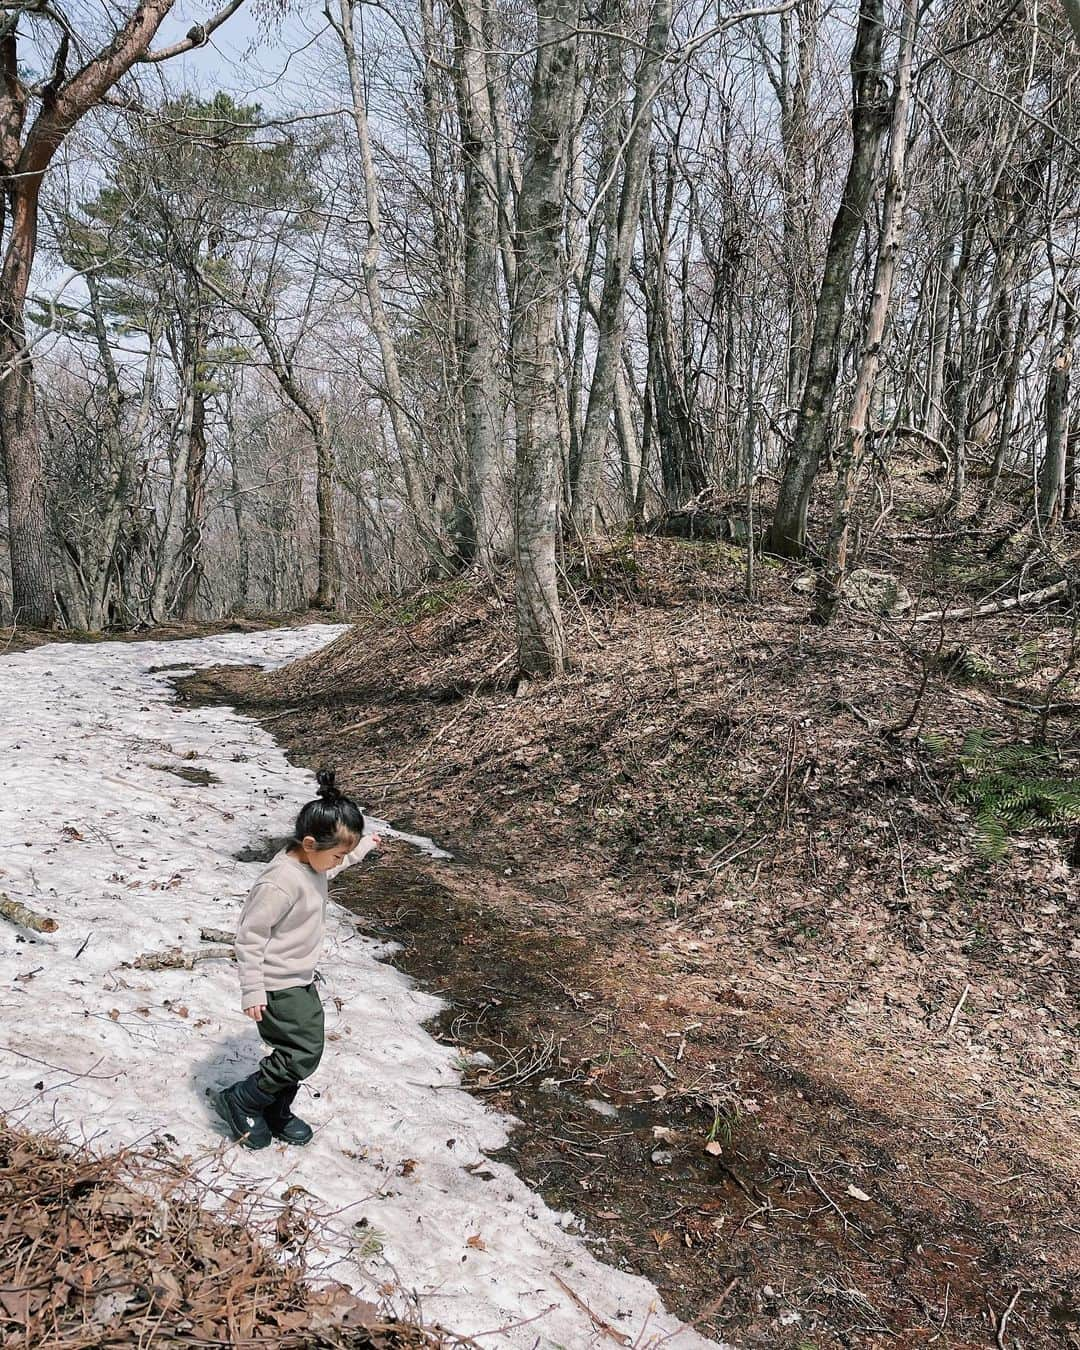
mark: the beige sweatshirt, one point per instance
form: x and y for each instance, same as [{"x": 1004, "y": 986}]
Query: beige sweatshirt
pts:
[{"x": 280, "y": 934}]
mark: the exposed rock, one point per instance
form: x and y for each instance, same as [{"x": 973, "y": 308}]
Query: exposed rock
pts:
[{"x": 876, "y": 592}]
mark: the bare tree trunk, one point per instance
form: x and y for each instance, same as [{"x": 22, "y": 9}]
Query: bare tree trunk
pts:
[
  {"x": 934, "y": 403},
  {"x": 870, "y": 114},
  {"x": 191, "y": 568},
  {"x": 1015, "y": 338},
  {"x": 1072, "y": 467},
  {"x": 507, "y": 168},
  {"x": 120, "y": 465},
  {"x": 1052, "y": 475},
  {"x": 329, "y": 573},
  {"x": 629, "y": 446},
  {"x": 534, "y": 363},
  {"x": 481, "y": 319},
  {"x": 792, "y": 82},
  {"x": 617, "y": 268},
  {"x": 31, "y": 582},
  {"x": 961, "y": 372},
  {"x": 831, "y": 577},
  {"x": 172, "y": 529},
  {"x": 380, "y": 324},
  {"x": 243, "y": 546}
]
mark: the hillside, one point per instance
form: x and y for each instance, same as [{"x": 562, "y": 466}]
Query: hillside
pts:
[{"x": 768, "y": 929}]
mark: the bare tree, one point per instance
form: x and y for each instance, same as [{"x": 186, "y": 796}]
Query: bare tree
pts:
[
  {"x": 619, "y": 250},
  {"x": 485, "y": 404},
  {"x": 831, "y": 576},
  {"x": 870, "y": 114},
  {"x": 534, "y": 362}
]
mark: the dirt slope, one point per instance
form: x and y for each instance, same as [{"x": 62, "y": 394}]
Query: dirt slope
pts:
[{"x": 787, "y": 1014}]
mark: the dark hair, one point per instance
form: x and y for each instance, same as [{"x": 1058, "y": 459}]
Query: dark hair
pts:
[{"x": 330, "y": 813}]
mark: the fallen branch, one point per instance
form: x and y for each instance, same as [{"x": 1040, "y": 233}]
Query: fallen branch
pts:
[
  {"x": 25, "y": 917},
  {"x": 217, "y": 935},
  {"x": 173, "y": 958},
  {"x": 997, "y": 606}
]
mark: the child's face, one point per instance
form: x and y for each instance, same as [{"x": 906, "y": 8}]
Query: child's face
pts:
[{"x": 323, "y": 859}]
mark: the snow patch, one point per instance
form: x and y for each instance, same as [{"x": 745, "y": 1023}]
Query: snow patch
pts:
[{"x": 101, "y": 834}]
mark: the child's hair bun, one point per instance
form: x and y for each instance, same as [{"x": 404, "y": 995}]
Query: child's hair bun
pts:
[{"x": 328, "y": 789}]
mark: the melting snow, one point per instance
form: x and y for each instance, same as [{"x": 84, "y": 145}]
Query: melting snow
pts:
[{"x": 102, "y": 835}]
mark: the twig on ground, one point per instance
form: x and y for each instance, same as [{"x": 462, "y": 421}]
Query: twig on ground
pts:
[
  {"x": 62, "y": 1068},
  {"x": 1004, "y": 1319},
  {"x": 595, "y": 1317},
  {"x": 958, "y": 1009},
  {"x": 944, "y": 1316}
]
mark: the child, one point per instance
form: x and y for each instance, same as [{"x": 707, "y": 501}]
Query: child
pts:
[{"x": 278, "y": 941}]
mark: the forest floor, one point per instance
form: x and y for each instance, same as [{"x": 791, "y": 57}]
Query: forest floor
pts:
[{"x": 767, "y": 930}]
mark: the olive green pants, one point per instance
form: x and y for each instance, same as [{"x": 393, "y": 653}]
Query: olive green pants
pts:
[{"x": 292, "y": 1026}]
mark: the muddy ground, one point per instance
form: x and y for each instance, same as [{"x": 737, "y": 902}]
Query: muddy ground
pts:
[{"x": 777, "y": 1026}]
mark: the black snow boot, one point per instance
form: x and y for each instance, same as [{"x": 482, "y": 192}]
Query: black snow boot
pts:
[
  {"x": 243, "y": 1105},
  {"x": 283, "y": 1124}
]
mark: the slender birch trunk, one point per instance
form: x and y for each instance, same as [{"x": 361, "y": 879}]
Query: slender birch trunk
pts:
[
  {"x": 534, "y": 359},
  {"x": 481, "y": 318}
]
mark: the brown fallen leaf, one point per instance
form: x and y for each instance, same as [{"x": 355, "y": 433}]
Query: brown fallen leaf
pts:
[
  {"x": 476, "y": 1242},
  {"x": 336, "y": 1306}
]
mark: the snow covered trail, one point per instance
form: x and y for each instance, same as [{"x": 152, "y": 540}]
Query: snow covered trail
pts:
[{"x": 102, "y": 834}]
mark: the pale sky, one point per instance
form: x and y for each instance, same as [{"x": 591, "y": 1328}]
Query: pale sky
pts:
[{"x": 268, "y": 64}]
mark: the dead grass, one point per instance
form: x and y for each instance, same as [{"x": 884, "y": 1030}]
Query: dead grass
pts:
[{"x": 99, "y": 1251}]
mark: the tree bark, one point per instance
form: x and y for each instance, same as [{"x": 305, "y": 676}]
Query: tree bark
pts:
[
  {"x": 870, "y": 114},
  {"x": 1015, "y": 338},
  {"x": 481, "y": 319},
  {"x": 1072, "y": 452},
  {"x": 191, "y": 568},
  {"x": 534, "y": 364},
  {"x": 1052, "y": 474}
]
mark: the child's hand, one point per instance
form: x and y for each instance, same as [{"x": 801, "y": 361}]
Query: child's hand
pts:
[
  {"x": 255, "y": 1012},
  {"x": 374, "y": 842}
]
